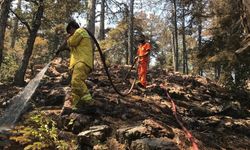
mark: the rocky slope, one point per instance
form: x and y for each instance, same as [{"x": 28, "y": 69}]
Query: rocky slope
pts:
[{"x": 144, "y": 120}]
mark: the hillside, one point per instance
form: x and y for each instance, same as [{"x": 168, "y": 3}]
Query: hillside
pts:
[{"x": 216, "y": 118}]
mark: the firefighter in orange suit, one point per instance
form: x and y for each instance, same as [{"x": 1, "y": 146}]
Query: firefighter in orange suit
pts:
[
  {"x": 81, "y": 63},
  {"x": 143, "y": 60}
]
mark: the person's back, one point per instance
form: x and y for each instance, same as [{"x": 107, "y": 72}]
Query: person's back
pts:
[{"x": 81, "y": 48}]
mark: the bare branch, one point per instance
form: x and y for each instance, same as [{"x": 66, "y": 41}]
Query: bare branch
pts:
[
  {"x": 21, "y": 20},
  {"x": 33, "y": 1}
]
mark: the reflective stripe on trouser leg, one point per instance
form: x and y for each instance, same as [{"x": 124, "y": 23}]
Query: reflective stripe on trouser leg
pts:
[
  {"x": 80, "y": 92},
  {"x": 142, "y": 72}
]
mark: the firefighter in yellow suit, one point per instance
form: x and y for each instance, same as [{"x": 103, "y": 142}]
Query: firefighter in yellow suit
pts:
[{"x": 81, "y": 63}]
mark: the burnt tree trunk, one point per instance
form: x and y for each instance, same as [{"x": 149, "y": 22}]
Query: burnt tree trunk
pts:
[
  {"x": 102, "y": 21},
  {"x": 176, "y": 52},
  {"x": 15, "y": 26},
  {"x": 36, "y": 23},
  {"x": 199, "y": 43},
  {"x": 246, "y": 15},
  {"x": 126, "y": 35},
  {"x": 199, "y": 20},
  {"x": 245, "y": 21},
  {"x": 4, "y": 12},
  {"x": 131, "y": 31},
  {"x": 185, "y": 58},
  {"x": 173, "y": 48},
  {"x": 91, "y": 16}
]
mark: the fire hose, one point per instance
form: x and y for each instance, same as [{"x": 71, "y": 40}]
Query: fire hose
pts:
[
  {"x": 132, "y": 66},
  {"x": 187, "y": 133},
  {"x": 106, "y": 68}
]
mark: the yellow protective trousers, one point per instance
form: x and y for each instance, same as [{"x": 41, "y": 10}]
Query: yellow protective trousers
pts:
[{"x": 80, "y": 92}]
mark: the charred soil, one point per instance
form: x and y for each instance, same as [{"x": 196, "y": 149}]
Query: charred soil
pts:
[{"x": 217, "y": 118}]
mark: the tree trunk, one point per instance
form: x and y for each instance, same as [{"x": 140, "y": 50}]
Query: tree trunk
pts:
[
  {"x": 91, "y": 16},
  {"x": 199, "y": 43},
  {"x": 126, "y": 35},
  {"x": 217, "y": 71},
  {"x": 246, "y": 16},
  {"x": 173, "y": 48},
  {"x": 176, "y": 54},
  {"x": 245, "y": 21},
  {"x": 131, "y": 31},
  {"x": 4, "y": 12},
  {"x": 199, "y": 32},
  {"x": 15, "y": 26},
  {"x": 91, "y": 20},
  {"x": 185, "y": 58},
  {"x": 36, "y": 22},
  {"x": 102, "y": 21}
]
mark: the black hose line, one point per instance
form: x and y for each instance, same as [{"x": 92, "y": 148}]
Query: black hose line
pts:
[
  {"x": 126, "y": 76},
  {"x": 106, "y": 68}
]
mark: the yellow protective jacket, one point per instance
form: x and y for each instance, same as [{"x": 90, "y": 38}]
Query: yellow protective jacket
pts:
[{"x": 81, "y": 49}]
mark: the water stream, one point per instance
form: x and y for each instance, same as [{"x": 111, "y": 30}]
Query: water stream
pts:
[{"x": 19, "y": 102}]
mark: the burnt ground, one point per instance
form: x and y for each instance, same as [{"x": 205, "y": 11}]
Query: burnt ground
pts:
[{"x": 217, "y": 118}]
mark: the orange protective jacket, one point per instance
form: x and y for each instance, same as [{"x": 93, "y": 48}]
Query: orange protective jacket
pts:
[{"x": 143, "y": 50}]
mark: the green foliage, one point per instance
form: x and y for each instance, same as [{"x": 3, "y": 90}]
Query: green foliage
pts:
[
  {"x": 39, "y": 132},
  {"x": 8, "y": 68},
  {"x": 115, "y": 45},
  {"x": 52, "y": 30},
  {"x": 40, "y": 52},
  {"x": 53, "y": 26},
  {"x": 219, "y": 50}
]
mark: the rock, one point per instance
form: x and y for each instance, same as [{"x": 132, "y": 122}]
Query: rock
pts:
[
  {"x": 4, "y": 104},
  {"x": 233, "y": 109},
  {"x": 75, "y": 122},
  {"x": 61, "y": 68},
  {"x": 100, "y": 147},
  {"x": 89, "y": 83},
  {"x": 80, "y": 122},
  {"x": 200, "y": 111},
  {"x": 127, "y": 135},
  {"x": 65, "y": 79},
  {"x": 157, "y": 129},
  {"x": 67, "y": 136},
  {"x": 242, "y": 126},
  {"x": 124, "y": 117},
  {"x": 218, "y": 100},
  {"x": 4, "y": 135},
  {"x": 56, "y": 61},
  {"x": 149, "y": 129},
  {"x": 52, "y": 72},
  {"x": 113, "y": 144},
  {"x": 153, "y": 144},
  {"x": 55, "y": 98},
  {"x": 95, "y": 135}
]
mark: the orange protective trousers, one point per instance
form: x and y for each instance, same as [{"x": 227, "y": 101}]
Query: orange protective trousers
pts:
[{"x": 142, "y": 72}]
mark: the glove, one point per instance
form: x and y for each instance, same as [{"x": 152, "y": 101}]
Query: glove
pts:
[
  {"x": 62, "y": 47},
  {"x": 57, "y": 52},
  {"x": 147, "y": 53},
  {"x": 136, "y": 57}
]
